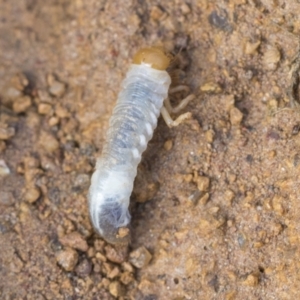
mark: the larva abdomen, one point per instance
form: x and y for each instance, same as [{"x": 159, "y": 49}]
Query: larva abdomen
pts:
[{"x": 130, "y": 128}]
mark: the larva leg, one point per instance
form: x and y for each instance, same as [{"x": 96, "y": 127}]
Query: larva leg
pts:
[
  {"x": 172, "y": 123},
  {"x": 179, "y": 88},
  {"x": 183, "y": 103},
  {"x": 167, "y": 109}
]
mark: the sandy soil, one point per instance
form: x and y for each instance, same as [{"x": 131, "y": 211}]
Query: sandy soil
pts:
[{"x": 215, "y": 208}]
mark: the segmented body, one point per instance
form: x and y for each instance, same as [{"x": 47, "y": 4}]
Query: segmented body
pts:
[{"x": 131, "y": 126}]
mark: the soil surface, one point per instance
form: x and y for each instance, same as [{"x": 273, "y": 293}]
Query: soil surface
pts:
[{"x": 215, "y": 207}]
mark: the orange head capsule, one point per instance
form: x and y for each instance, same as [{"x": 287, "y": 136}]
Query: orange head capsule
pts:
[{"x": 155, "y": 57}]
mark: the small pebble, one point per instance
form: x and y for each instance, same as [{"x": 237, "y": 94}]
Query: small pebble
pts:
[
  {"x": 32, "y": 194},
  {"x": 202, "y": 183},
  {"x": 44, "y": 109},
  {"x": 116, "y": 289},
  {"x": 4, "y": 227},
  {"x": 214, "y": 210},
  {"x": 57, "y": 89},
  {"x": 31, "y": 176},
  {"x": 99, "y": 245},
  {"x": 209, "y": 135},
  {"x": 251, "y": 280},
  {"x": 277, "y": 204},
  {"x": 66, "y": 287},
  {"x": 271, "y": 58},
  {"x": 113, "y": 273},
  {"x": 185, "y": 9},
  {"x": 168, "y": 145},
  {"x": 122, "y": 232},
  {"x": 220, "y": 20},
  {"x": 4, "y": 169},
  {"x": 231, "y": 295},
  {"x": 13, "y": 93},
  {"x": 145, "y": 193},
  {"x": 67, "y": 259},
  {"x": 116, "y": 255},
  {"x": 82, "y": 181},
  {"x": 19, "y": 81},
  {"x": 2, "y": 146},
  {"x": 242, "y": 240},
  {"x": 31, "y": 162},
  {"x": 6, "y": 132},
  {"x": 188, "y": 177},
  {"x": 203, "y": 200},
  {"x": 211, "y": 87},
  {"x": 99, "y": 256},
  {"x": 43, "y": 96},
  {"x": 208, "y": 225},
  {"x": 97, "y": 268},
  {"x": 228, "y": 197},
  {"x": 74, "y": 240},
  {"x": 126, "y": 278},
  {"x": 195, "y": 196},
  {"x": 6, "y": 198},
  {"x": 228, "y": 101},
  {"x": 21, "y": 104},
  {"x": 251, "y": 48},
  {"x": 48, "y": 164},
  {"x": 126, "y": 266},
  {"x": 61, "y": 112},
  {"x": 235, "y": 116},
  {"x": 48, "y": 142},
  {"x": 16, "y": 265},
  {"x": 84, "y": 268},
  {"x": 140, "y": 257},
  {"x": 156, "y": 13},
  {"x": 53, "y": 121}
]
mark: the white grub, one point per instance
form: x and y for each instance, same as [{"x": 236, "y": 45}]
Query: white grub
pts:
[{"x": 142, "y": 98}]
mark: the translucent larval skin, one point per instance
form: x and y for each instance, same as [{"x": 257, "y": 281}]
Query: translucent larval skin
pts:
[{"x": 131, "y": 126}]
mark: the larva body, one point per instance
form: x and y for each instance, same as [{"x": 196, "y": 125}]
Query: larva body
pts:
[{"x": 131, "y": 126}]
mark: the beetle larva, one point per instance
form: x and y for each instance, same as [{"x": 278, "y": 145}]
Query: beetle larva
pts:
[{"x": 131, "y": 126}]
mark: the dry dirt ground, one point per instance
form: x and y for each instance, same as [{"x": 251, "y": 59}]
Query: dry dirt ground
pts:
[{"x": 216, "y": 211}]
